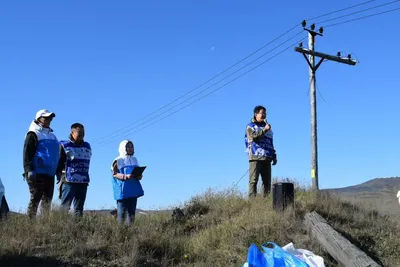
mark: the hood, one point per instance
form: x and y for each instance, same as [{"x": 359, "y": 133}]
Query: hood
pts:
[
  {"x": 35, "y": 127},
  {"x": 122, "y": 148}
]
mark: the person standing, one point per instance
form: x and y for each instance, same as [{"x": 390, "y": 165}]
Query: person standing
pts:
[
  {"x": 126, "y": 189},
  {"x": 260, "y": 148},
  {"x": 76, "y": 154},
  {"x": 41, "y": 160}
]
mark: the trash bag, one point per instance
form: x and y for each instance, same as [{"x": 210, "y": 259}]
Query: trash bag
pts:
[
  {"x": 305, "y": 255},
  {"x": 255, "y": 257},
  {"x": 278, "y": 257},
  {"x": 271, "y": 257}
]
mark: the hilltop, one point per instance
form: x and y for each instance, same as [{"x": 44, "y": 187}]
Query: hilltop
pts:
[
  {"x": 378, "y": 193},
  {"x": 216, "y": 229}
]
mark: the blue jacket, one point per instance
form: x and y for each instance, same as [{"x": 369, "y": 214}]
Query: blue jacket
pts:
[
  {"x": 77, "y": 161},
  {"x": 47, "y": 154},
  {"x": 131, "y": 188}
]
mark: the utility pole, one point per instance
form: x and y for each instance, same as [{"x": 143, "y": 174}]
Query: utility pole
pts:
[{"x": 313, "y": 99}]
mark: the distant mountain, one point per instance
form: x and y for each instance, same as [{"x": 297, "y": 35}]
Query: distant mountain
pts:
[
  {"x": 371, "y": 186},
  {"x": 379, "y": 194}
]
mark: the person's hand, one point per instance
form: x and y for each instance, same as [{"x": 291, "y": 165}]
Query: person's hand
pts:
[
  {"x": 267, "y": 127},
  {"x": 274, "y": 161},
  {"x": 31, "y": 175},
  {"x": 127, "y": 177}
]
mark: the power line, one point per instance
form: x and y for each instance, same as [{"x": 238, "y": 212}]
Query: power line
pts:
[
  {"x": 194, "y": 89},
  {"x": 262, "y": 63},
  {"x": 343, "y": 9},
  {"x": 106, "y": 141},
  {"x": 360, "y": 18},
  {"x": 237, "y": 182},
  {"x": 360, "y": 11},
  {"x": 229, "y": 68}
]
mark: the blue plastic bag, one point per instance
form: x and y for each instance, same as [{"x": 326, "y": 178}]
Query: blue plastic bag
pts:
[
  {"x": 272, "y": 257},
  {"x": 255, "y": 258},
  {"x": 278, "y": 257}
]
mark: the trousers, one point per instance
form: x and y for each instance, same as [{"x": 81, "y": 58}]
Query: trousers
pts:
[
  {"x": 258, "y": 167},
  {"x": 41, "y": 189},
  {"x": 74, "y": 193},
  {"x": 125, "y": 206}
]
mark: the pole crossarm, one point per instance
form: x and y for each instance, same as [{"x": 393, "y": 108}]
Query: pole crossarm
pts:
[
  {"x": 314, "y": 69},
  {"x": 325, "y": 56}
]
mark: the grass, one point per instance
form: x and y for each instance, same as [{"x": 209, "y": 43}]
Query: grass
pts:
[{"x": 215, "y": 229}]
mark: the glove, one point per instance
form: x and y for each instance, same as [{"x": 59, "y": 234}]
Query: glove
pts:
[
  {"x": 274, "y": 160},
  {"x": 31, "y": 175}
]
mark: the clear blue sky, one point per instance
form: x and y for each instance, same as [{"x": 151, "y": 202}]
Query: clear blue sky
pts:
[{"x": 106, "y": 64}]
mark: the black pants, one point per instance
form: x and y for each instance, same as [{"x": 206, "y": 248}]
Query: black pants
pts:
[
  {"x": 3, "y": 208},
  {"x": 41, "y": 189}
]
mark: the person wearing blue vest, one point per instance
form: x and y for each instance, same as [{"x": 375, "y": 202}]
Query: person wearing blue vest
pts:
[
  {"x": 41, "y": 160},
  {"x": 126, "y": 189},
  {"x": 76, "y": 154},
  {"x": 260, "y": 148}
]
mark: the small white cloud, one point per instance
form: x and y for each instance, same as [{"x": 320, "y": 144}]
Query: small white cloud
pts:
[{"x": 212, "y": 49}]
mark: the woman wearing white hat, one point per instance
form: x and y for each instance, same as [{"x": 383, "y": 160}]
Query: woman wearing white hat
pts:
[{"x": 41, "y": 161}]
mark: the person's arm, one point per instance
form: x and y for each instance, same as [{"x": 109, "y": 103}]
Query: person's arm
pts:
[
  {"x": 117, "y": 174},
  {"x": 62, "y": 161},
  {"x": 272, "y": 143},
  {"x": 274, "y": 157},
  {"x": 30, "y": 146},
  {"x": 255, "y": 135}
]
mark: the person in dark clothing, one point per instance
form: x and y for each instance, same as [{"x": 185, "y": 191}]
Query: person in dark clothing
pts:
[
  {"x": 75, "y": 154},
  {"x": 41, "y": 160},
  {"x": 260, "y": 147}
]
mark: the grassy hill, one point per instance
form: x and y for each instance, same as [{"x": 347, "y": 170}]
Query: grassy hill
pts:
[{"x": 216, "y": 230}]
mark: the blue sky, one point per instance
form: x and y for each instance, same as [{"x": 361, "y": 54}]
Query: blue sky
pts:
[{"x": 107, "y": 64}]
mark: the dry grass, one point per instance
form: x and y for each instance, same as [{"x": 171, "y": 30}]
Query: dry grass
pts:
[{"x": 216, "y": 230}]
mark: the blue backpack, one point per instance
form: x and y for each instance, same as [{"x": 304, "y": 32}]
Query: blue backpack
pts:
[{"x": 271, "y": 257}]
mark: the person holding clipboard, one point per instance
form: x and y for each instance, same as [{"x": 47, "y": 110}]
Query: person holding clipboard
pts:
[{"x": 126, "y": 176}]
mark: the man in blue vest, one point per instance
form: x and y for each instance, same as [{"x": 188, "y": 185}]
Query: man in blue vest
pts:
[
  {"x": 260, "y": 147},
  {"x": 41, "y": 159},
  {"x": 76, "y": 155}
]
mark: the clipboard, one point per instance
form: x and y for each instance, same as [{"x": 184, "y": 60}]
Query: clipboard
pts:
[{"x": 137, "y": 171}]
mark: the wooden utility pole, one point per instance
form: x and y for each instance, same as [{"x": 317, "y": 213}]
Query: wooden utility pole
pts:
[{"x": 313, "y": 99}]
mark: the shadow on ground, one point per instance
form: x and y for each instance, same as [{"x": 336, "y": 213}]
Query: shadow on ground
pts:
[{"x": 19, "y": 261}]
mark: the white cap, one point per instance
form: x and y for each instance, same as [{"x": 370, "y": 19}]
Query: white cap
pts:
[{"x": 44, "y": 113}]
